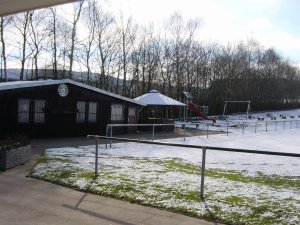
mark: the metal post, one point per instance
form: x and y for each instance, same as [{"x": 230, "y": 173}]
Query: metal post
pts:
[
  {"x": 255, "y": 127},
  {"x": 283, "y": 125},
  {"x": 227, "y": 128},
  {"x": 184, "y": 131},
  {"x": 275, "y": 125},
  {"x": 243, "y": 127},
  {"x": 202, "y": 173},
  {"x": 290, "y": 124},
  {"x": 110, "y": 135},
  {"x": 96, "y": 158},
  {"x": 106, "y": 136},
  {"x": 184, "y": 119},
  {"x": 153, "y": 132},
  {"x": 266, "y": 126},
  {"x": 206, "y": 130}
]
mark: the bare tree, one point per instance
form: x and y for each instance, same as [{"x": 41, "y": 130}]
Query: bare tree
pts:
[
  {"x": 53, "y": 35},
  {"x": 76, "y": 16},
  {"x": 21, "y": 24},
  {"x": 127, "y": 30},
  {"x": 4, "y": 21},
  {"x": 38, "y": 36}
]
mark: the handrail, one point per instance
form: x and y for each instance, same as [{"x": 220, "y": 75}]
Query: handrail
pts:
[
  {"x": 140, "y": 124},
  {"x": 204, "y": 148},
  {"x": 198, "y": 146}
]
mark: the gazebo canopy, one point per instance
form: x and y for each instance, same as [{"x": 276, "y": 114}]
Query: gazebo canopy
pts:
[{"x": 157, "y": 99}]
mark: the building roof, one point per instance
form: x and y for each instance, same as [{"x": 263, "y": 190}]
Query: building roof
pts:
[
  {"x": 27, "y": 84},
  {"x": 156, "y": 98}
]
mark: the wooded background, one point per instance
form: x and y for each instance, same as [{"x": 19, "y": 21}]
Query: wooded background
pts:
[{"x": 117, "y": 54}]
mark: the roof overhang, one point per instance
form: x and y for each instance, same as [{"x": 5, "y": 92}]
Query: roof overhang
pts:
[{"x": 8, "y": 7}]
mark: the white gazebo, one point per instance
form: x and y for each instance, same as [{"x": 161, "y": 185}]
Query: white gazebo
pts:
[{"x": 158, "y": 105}]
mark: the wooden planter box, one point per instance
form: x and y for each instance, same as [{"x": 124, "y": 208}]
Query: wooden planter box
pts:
[{"x": 14, "y": 157}]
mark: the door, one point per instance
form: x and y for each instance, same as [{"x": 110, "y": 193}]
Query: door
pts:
[{"x": 132, "y": 120}]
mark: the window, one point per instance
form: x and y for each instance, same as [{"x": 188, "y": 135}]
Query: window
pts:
[
  {"x": 92, "y": 116},
  {"x": 80, "y": 112},
  {"x": 23, "y": 110},
  {"x": 39, "y": 111},
  {"x": 131, "y": 112},
  {"x": 86, "y": 111},
  {"x": 117, "y": 112}
]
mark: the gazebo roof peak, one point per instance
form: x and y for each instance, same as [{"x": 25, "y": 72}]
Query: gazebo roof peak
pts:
[{"x": 154, "y": 91}]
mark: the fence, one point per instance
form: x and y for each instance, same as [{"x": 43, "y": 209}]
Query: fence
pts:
[
  {"x": 245, "y": 126},
  {"x": 203, "y": 148}
]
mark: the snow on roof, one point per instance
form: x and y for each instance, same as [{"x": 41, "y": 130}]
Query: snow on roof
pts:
[
  {"x": 156, "y": 98},
  {"x": 26, "y": 84}
]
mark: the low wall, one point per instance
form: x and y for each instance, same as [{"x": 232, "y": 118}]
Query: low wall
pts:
[{"x": 14, "y": 157}]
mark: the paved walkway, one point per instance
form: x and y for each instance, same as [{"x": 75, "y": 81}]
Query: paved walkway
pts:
[{"x": 28, "y": 201}]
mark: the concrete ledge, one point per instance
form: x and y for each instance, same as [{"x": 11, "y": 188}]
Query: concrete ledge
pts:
[{"x": 14, "y": 157}]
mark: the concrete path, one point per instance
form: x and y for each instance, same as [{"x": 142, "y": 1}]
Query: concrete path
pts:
[{"x": 28, "y": 201}]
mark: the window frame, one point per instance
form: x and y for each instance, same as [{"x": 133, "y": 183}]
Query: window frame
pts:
[
  {"x": 41, "y": 111},
  {"x": 23, "y": 112},
  {"x": 115, "y": 115},
  {"x": 92, "y": 115},
  {"x": 81, "y": 112}
]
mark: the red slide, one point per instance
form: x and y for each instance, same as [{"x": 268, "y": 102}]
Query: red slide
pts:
[{"x": 194, "y": 109}]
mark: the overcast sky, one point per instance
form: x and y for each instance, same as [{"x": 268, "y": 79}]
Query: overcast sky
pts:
[{"x": 274, "y": 23}]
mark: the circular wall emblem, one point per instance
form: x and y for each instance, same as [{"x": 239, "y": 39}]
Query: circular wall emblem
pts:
[{"x": 63, "y": 90}]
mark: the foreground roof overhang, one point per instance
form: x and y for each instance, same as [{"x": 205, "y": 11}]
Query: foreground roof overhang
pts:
[{"x": 8, "y": 7}]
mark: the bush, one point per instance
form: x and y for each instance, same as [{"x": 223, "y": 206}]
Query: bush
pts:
[{"x": 14, "y": 141}]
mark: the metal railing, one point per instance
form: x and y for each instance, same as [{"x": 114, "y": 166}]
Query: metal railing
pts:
[
  {"x": 203, "y": 148},
  {"x": 109, "y": 127},
  {"x": 250, "y": 126}
]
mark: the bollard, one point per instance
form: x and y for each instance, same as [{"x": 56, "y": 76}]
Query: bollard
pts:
[
  {"x": 283, "y": 125},
  {"x": 266, "y": 126},
  {"x": 255, "y": 127},
  {"x": 290, "y": 124},
  {"x": 96, "y": 158},
  {"x": 276, "y": 126},
  {"x": 202, "y": 173}
]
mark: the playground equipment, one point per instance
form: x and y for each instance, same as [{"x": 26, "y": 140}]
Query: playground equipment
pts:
[
  {"x": 200, "y": 111},
  {"x": 248, "y": 107}
]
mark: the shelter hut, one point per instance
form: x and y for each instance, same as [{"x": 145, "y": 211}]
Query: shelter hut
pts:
[
  {"x": 159, "y": 109},
  {"x": 62, "y": 108}
]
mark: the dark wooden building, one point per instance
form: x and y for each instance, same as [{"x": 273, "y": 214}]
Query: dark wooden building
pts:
[{"x": 61, "y": 108}]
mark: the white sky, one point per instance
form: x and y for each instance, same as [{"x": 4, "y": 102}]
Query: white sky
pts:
[{"x": 274, "y": 23}]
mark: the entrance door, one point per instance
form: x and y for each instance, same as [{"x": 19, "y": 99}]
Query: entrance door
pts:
[{"x": 132, "y": 119}]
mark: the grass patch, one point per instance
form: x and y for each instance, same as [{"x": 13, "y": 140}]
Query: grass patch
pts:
[{"x": 231, "y": 196}]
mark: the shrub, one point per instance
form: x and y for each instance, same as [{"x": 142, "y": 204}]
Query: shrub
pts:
[{"x": 14, "y": 141}]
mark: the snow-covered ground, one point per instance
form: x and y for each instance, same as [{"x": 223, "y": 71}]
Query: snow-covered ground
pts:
[
  {"x": 288, "y": 141},
  {"x": 240, "y": 187}
]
